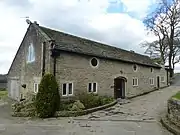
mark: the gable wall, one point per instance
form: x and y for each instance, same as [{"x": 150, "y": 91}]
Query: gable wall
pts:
[
  {"x": 77, "y": 69},
  {"x": 27, "y": 73}
]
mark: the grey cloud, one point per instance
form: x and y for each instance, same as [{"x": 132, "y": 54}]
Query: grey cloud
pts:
[
  {"x": 24, "y": 4},
  {"x": 4, "y": 66},
  {"x": 122, "y": 40},
  {"x": 177, "y": 67},
  {"x": 73, "y": 22}
]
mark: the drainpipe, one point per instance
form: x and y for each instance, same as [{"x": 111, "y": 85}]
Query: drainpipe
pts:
[
  {"x": 167, "y": 77},
  {"x": 43, "y": 57},
  {"x": 54, "y": 72},
  {"x": 54, "y": 55}
]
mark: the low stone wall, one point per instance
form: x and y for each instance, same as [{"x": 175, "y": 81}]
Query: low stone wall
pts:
[
  {"x": 174, "y": 111},
  {"x": 83, "y": 112}
]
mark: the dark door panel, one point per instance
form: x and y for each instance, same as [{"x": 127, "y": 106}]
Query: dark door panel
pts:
[{"x": 119, "y": 88}]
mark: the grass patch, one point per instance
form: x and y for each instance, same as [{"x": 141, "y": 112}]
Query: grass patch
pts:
[
  {"x": 3, "y": 94},
  {"x": 177, "y": 95}
]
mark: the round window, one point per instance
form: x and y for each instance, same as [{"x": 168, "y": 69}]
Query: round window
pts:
[
  {"x": 135, "y": 67},
  {"x": 94, "y": 62}
]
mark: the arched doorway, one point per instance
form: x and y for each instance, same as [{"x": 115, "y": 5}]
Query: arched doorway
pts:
[{"x": 119, "y": 87}]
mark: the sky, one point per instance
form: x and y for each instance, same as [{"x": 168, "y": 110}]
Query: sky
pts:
[{"x": 115, "y": 22}]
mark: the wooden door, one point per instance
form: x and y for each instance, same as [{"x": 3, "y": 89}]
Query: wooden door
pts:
[{"x": 119, "y": 88}]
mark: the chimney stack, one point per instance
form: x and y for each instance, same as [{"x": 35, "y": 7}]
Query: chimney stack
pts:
[{"x": 35, "y": 22}]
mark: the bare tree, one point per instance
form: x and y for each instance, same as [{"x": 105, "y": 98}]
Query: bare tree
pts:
[
  {"x": 165, "y": 24},
  {"x": 157, "y": 50}
]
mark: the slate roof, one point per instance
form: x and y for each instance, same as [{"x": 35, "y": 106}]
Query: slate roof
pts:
[{"x": 71, "y": 43}]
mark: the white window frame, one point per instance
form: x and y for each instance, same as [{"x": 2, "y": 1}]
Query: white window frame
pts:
[
  {"x": 97, "y": 62},
  {"x": 136, "y": 67},
  {"x": 36, "y": 90},
  {"x": 151, "y": 80},
  {"x": 163, "y": 79},
  {"x": 92, "y": 86},
  {"x": 137, "y": 81},
  {"x": 67, "y": 89}
]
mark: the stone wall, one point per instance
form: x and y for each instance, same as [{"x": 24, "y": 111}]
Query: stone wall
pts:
[
  {"x": 25, "y": 72},
  {"x": 174, "y": 111},
  {"x": 77, "y": 69}
]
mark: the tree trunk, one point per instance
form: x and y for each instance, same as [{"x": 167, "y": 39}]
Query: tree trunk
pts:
[{"x": 170, "y": 60}]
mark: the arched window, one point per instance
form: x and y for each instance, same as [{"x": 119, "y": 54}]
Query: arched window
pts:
[{"x": 31, "y": 54}]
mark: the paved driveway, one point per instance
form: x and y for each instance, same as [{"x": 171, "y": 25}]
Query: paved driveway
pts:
[{"x": 140, "y": 117}]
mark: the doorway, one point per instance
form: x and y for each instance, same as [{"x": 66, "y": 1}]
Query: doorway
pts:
[
  {"x": 158, "y": 82},
  {"x": 14, "y": 89},
  {"x": 119, "y": 87}
]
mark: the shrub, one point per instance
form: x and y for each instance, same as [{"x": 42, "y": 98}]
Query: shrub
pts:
[
  {"x": 106, "y": 100},
  {"x": 47, "y": 99},
  {"x": 89, "y": 100},
  {"x": 66, "y": 105},
  {"x": 93, "y": 100},
  {"x": 77, "y": 106},
  {"x": 25, "y": 106}
]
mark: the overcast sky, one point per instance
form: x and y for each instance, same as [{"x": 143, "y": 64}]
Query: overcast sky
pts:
[{"x": 116, "y": 22}]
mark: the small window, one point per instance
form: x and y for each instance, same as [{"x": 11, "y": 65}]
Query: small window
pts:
[
  {"x": 70, "y": 89},
  {"x": 135, "y": 67},
  {"x": 94, "y": 62},
  {"x": 151, "y": 81},
  {"x": 135, "y": 82},
  {"x": 36, "y": 87},
  {"x": 162, "y": 79},
  {"x": 92, "y": 87},
  {"x": 67, "y": 89},
  {"x": 64, "y": 89},
  {"x": 151, "y": 70}
]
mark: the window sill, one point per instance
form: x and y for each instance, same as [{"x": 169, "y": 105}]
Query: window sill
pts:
[
  {"x": 135, "y": 85},
  {"x": 67, "y": 95},
  {"x": 92, "y": 92}
]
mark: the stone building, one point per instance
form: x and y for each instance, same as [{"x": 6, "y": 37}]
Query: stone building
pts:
[{"x": 80, "y": 65}]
